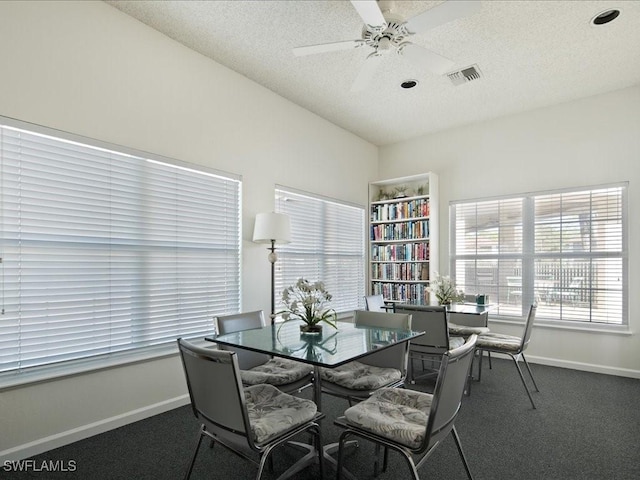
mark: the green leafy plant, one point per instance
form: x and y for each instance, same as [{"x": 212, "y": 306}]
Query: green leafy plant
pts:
[
  {"x": 445, "y": 290},
  {"x": 401, "y": 191},
  {"x": 383, "y": 195},
  {"x": 308, "y": 302}
]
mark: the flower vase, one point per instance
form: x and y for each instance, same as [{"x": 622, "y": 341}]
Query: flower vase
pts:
[{"x": 311, "y": 329}]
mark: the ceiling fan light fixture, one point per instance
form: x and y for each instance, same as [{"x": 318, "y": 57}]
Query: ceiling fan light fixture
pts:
[
  {"x": 605, "y": 17},
  {"x": 409, "y": 84}
]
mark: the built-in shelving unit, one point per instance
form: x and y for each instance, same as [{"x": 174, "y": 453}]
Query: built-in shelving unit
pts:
[{"x": 403, "y": 237}]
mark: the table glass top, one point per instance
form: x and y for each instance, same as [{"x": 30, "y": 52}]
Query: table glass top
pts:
[
  {"x": 471, "y": 308},
  {"x": 329, "y": 349}
]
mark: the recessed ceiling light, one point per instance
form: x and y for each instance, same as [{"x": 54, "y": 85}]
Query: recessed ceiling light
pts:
[
  {"x": 409, "y": 83},
  {"x": 605, "y": 17}
]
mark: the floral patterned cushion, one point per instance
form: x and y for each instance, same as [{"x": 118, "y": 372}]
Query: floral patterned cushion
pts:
[
  {"x": 465, "y": 331},
  {"x": 272, "y": 412},
  {"x": 359, "y": 376},
  {"x": 455, "y": 342},
  {"x": 394, "y": 413},
  {"x": 499, "y": 341},
  {"x": 277, "y": 371}
]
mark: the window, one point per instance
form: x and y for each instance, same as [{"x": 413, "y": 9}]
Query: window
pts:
[
  {"x": 327, "y": 244},
  {"x": 104, "y": 251},
  {"x": 564, "y": 250}
]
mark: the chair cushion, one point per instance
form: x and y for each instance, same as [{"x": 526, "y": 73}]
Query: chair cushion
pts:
[
  {"x": 394, "y": 413},
  {"x": 359, "y": 376},
  {"x": 499, "y": 341},
  {"x": 455, "y": 342},
  {"x": 465, "y": 331},
  {"x": 277, "y": 371},
  {"x": 272, "y": 412}
]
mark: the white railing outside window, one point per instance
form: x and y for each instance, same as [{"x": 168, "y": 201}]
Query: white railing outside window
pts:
[
  {"x": 327, "y": 244},
  {"x": 564, "y": 250},
  {"x": 105, "y": 251}
]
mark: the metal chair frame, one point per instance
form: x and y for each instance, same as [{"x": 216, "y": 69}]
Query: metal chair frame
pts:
[
  {"x": 227, "y": 423},
  {"x": 433, "y": 344},
  {"x": 375, "y": 303},
  {"x": 514, "y": 355},
  {"x": 247, "y": 359},
  {"x": 447, "y": 398},
  {"x": 391, "y": 357}
]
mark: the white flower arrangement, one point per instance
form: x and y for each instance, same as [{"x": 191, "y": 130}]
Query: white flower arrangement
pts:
[
  {"x": 445, "y": 290},
  {"x": 308, "y": 302}
]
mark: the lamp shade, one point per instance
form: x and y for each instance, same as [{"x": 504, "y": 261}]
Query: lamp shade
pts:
[{"x": 272, "y": 226}]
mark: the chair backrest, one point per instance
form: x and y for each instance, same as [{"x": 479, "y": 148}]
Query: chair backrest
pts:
[
  {"x": 236, "y": 323},
  {"x": 215, "y": 388},
  {"x": 526, "y": 336},
  {"x": 431, "y": 320},
  {"x": 469, "y": 319},
  {"x": 392, "y": 357},
  {"x": 375, "y": 303},
  {"x": 448, "y": 392}
]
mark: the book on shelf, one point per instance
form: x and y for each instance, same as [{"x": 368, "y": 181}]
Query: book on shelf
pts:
[
  {"x": 417, "y": 208},
  {"x": 400, "y": 252},
  {"x": 410, "y": 230}
]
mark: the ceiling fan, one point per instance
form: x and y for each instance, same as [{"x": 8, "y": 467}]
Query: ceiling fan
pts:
[{"x": 385, "y": 33}]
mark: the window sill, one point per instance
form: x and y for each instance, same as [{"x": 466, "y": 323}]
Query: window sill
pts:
[
  {"x": 47, "y": 373},
  {"x": 572, "y": 326}
]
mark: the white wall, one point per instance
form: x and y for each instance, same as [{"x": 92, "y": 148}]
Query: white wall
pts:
[
  {"x": 86, "y": 68},
  {"x": 588, "y": 142}
]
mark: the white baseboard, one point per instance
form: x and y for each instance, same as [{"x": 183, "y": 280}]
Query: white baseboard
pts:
[
  {"x": 586, "y": 367},
  {"x": 39, "y": 446}
]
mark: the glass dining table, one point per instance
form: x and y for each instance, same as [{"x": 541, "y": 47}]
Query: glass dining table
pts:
[{"x": 330, "y": 349}]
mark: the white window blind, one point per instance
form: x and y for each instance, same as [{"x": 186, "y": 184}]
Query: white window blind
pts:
[
  {"x": 105, "y": 252},
  {"x": 565, "y": 251},
  {"x": 327, "y": 244}
]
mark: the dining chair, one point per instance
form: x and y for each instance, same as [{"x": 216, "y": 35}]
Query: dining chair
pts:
[
  {"x": 468, "y": 323},
  {"x": 465, "y": 324},
  {"x": 375, "y": 303},
  {"x": 435, "y": 341},
  {"x": 358, "y": 379},
  {"x": 512, "y": 346},
  {"x": 410, "y": 422},
  {"x": 256, "y": 368},
  {"x": 249, "y": 421}
]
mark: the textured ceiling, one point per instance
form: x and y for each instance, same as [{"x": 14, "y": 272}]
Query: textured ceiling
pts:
[{"x": 531, "y": 54}]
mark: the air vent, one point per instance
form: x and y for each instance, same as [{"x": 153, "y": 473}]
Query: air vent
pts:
[{"x": 465, "y": 75}]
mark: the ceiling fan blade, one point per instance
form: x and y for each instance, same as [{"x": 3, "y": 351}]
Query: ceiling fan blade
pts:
[
  {"x": 326, "y": 47},
  {"x": 370, "y": 12},
  {"x": 367, "y": 72},
  {"x": 426, "y": 58},
  {"x": 441, "y": 14}
]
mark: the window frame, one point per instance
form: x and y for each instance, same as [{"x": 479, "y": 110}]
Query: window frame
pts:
[
  {"x": 134, "y": 353},
  {"x": 528, "y": 256},
  {"x": 283, "y": 280}
]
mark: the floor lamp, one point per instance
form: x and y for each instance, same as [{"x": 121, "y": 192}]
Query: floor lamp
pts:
[{"x": 273, "y": 228}]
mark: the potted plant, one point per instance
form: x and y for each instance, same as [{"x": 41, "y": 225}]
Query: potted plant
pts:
[
  {"x": 308, "y": 302},
  {"x": 401, "y": 191}
]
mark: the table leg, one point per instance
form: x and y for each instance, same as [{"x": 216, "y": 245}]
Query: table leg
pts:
[
  {"x": 317, "y": 387},
  {"x": 332, "y": 447}
]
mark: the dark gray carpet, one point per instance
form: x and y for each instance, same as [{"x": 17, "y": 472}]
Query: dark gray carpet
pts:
[{"x": 586, "y": 426}]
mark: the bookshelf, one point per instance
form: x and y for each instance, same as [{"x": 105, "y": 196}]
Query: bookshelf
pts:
[{"x": 403, "y": 237}]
